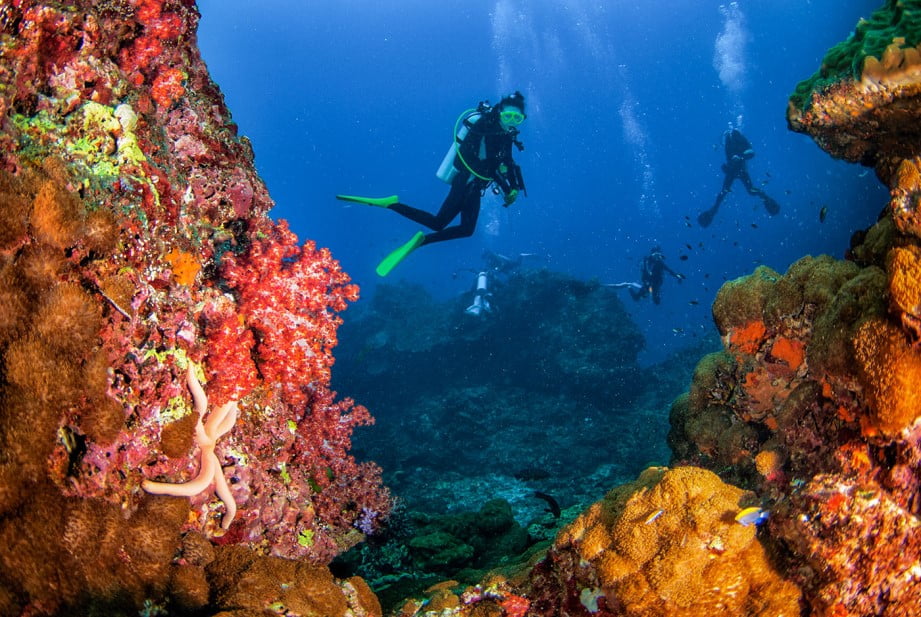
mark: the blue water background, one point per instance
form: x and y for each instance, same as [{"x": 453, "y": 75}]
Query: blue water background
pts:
[{"x": 626, "y": 105}]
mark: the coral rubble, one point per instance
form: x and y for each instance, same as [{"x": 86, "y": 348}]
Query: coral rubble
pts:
[{"x": 142, "y": 283}]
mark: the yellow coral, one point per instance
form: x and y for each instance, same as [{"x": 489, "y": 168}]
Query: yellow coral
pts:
[
  {"x": 674, "y": 549},
  {"x": 904, "y": 267},
  {"x": 890, "y": 371}
]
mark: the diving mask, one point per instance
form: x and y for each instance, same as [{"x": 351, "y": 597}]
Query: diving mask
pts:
[{"x": 511, "y": 117}]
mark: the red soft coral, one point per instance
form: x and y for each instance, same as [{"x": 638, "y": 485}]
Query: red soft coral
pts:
[{"x": 290, "y": 295}]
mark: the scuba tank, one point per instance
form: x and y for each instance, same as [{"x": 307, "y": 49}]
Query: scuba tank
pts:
[
  {"x": 447, "y": 170},
  {"x": 480, "y": 301}
]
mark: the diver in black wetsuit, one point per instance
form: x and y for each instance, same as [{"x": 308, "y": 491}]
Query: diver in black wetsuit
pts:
[
  {"x": 738, "y": 150},
  {"x": 481, "y": 157},
  {"x": 652, "y": 276}
]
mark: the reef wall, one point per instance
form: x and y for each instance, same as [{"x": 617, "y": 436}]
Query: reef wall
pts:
[{"x": 167, "y": 431}]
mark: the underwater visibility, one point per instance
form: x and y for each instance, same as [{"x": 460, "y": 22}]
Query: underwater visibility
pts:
[{"x": 498, "y": 308}]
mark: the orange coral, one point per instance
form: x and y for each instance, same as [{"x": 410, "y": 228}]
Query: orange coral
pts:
[
  {"x": 748, "y": 338},
  {"x": 890, "y": 372},
  {"x": 790, "y": 351},
  {"x": 185, "y": 266},
  {"x": 769, "y": 461},
  {"x": 904, "y": 267}
]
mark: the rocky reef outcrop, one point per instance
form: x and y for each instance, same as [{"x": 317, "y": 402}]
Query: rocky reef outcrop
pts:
[{"x": 168, "y": 438}]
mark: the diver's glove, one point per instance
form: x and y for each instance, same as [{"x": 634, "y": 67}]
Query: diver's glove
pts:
[{"x": 510, "y": 197}]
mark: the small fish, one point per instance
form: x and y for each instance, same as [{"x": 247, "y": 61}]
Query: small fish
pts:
[
  {"x": 752, "y": 516},
  {"x": 823, "y": 213},
  {"x": 652, "y": 517},
  {"x": 693, "y": 302},
  {"x": 690, "y": 248},
  {"x": 754, "y": 226},
  {"x": 677, "y": 330},
  {"x": 683, "y": 257}
]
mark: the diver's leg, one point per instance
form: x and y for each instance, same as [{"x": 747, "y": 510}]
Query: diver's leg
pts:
[
  {"x": 769, "y": 204},
  {"x": 469, "y": 213},
  {"x": 449, "y": 209},
  {"x": 706, "y": 217}
]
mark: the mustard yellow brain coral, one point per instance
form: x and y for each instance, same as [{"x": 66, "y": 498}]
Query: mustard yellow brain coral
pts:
[{"x": 668, "y": 544}]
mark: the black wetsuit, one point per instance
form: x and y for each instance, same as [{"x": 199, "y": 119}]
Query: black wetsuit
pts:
[
  {"x": 738, "y": 150},
  {"x": 654, "y": 267},
  {"x": 487, "y": 148}
]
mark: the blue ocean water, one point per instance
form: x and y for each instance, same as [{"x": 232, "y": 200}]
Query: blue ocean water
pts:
[{"x": 627, "y": 102}]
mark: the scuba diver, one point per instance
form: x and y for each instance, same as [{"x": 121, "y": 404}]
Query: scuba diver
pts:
[
  {"x": 651, "y": 277},
  {"x": 480, "y": 157},
  {"x": 738, "y": 150}
]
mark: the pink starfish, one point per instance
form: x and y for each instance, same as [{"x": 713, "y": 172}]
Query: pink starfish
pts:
[{"x": 219, "y": 423}]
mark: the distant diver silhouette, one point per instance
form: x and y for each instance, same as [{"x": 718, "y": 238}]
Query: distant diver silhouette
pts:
[
  {"x": 738, "y": 151},
  {"x": 651, "y": 277}
]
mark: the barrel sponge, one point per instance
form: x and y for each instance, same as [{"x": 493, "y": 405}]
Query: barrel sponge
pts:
[
  {"x": 741, "y": 301},
  {"x": 668, "y": 544},
  {"x": 890, "y": 371}
]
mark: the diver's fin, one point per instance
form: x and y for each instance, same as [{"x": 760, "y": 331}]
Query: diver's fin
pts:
[
  {"x": 706, "y": 217},
  {"x": 393, "y": 259},
  {"x": 381, "y": 202},
  {"x": 771, "y": 206}
]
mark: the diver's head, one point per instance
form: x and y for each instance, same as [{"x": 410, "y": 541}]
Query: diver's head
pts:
[
  {"x": 657, "y": 253},
  {"x": 511, "y": 111}
]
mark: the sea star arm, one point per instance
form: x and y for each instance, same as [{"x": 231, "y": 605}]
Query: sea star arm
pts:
[
  {"x": 223, "y": 491},
  {"x": 209, "y": 467},
  {"x": 220, "y": 421}
]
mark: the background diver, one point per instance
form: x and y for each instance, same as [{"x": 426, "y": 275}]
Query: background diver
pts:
[
  {"x": 652, "y": 275},
  {"x": 480, "y": 156},
  {"x": 738, "y": 150}
]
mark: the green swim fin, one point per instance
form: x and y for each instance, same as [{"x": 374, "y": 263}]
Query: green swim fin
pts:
[
  {"x": 393, "y": 259},
  {"x": 381, "y": 202}
]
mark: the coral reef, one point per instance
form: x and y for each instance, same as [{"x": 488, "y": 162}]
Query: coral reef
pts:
[
  {"x": 143, "y": 286},
  {"x": 812, "y": 408}
]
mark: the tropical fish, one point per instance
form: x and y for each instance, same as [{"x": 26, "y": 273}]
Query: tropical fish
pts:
[
  {"x": 823, "y": 213},
  {"x": 752, "y": 516},
  {"x": 652, "y": 517}
]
